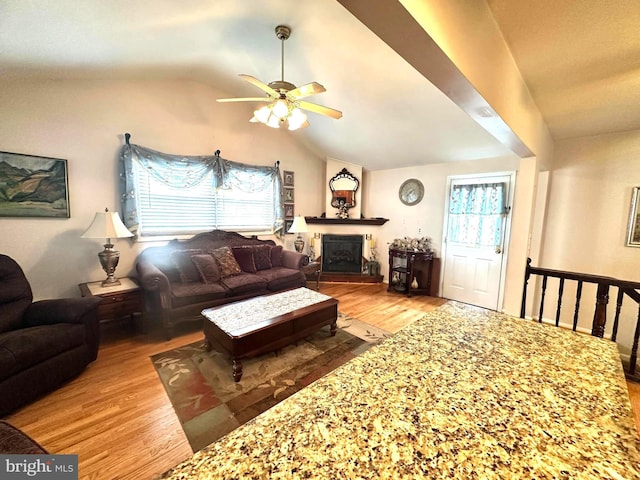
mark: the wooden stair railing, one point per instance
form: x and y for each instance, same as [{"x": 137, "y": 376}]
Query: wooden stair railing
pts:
[{"x": 604, "y": 284}]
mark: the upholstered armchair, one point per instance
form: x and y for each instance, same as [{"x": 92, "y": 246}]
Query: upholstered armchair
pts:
[{"x": 43, "y": 344}]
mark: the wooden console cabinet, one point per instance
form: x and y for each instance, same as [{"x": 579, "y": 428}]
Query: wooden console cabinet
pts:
[{"x": 407, "y": 265}]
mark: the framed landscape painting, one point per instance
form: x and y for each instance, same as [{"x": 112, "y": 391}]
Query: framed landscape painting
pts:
[
  {"x": 32, "y": 186},
  {"x": 633, "y": 231}
]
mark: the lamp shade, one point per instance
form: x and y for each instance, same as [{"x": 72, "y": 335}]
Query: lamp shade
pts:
[
  {"x": 281, "y": 112},
  {"x": 299, "y": 225},
  {"x": 107, "y": 225}
]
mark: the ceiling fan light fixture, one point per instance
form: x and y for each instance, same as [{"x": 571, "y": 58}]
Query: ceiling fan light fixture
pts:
[
  {"x": 262, "y": 115},
  {"x": 284, "y": 97},
  {"x": 280, "y": 109},
  {"x": 297, "y": 119},
  {"x": 273, "y": 122}
]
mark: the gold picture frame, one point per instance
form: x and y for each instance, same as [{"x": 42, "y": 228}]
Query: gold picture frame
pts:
[
  {"x": 633, "y": 229},
  {"x": 33, "y": 186}
]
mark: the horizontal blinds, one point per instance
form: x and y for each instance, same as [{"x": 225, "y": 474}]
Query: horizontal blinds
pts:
[
  {"x": 164, "y": 210},
  {"x": 244, "y": 211}
]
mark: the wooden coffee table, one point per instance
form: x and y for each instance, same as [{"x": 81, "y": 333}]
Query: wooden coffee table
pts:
[{"x": 264, "y": 324}]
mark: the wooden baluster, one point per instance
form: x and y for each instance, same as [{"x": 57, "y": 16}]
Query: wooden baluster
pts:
[
  {"x": 616, "y": 320},
  {"x": 560, "y": 292},
  {"x": 527, "y": 274},
  {"x": 600, "y": 315},
  {"x": 391, "y": 265},
  {"x": 544, "y": 290},
  {"x": 634, "y": 349},
  {"x": 578, "y": 296}
]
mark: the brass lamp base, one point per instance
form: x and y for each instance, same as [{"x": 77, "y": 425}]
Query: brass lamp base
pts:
[{"x": 109, "y": 260}]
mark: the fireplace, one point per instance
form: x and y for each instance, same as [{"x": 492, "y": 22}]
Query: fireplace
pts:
[{"x": 342, "y": 253}]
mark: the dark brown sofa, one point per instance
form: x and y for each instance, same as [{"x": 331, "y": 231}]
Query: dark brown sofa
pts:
[
  {"x": 182, "y": 278},
  {"x": 43, "y": 344}
]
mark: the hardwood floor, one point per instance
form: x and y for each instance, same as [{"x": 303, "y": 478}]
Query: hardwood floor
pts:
[{"x": 117, "y": 417}]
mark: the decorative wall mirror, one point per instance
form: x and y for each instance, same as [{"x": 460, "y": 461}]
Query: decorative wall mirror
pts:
[{"x": 343, "y": 189}]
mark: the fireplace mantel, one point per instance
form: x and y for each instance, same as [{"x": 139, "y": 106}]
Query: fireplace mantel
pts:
[{"x": 346, "y": 221}]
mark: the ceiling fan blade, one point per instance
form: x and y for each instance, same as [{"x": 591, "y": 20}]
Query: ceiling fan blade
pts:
[
  {"x": 245, "y": 99},
  {"x": 306, "y": 90},
  {"x": 262, "y": 86},
  {"x": 312, "y": 107}
]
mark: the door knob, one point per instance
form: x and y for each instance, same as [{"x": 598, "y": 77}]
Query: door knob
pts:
[{"x": 498, "y": 250}]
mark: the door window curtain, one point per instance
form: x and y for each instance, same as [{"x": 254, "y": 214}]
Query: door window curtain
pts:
[
  {"x": 189, "y": 172},
  {"x": 475, "y": 214}
]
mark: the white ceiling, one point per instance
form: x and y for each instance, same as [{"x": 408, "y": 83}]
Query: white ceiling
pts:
[
  {"x": 580, "y": 63},
  {"x": 580, "y": 60}
]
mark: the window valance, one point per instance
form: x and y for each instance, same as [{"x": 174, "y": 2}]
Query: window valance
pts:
[{"x": 187, "y": 172}]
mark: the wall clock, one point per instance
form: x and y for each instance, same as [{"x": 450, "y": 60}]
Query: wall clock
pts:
[{"x": 411, "y": 191}]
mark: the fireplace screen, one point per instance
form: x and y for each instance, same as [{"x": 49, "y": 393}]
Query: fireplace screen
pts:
[{"x": 342, "y": 253}]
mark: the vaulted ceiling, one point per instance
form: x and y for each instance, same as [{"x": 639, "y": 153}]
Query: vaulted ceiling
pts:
[{"x": 580, "y": 60}]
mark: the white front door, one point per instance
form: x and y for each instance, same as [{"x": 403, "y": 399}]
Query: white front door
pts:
[{"x": 476, "y": 232}]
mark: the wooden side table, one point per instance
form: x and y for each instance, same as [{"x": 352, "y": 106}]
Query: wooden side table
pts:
[
  {"x": 312, "y": 272},
  {"x": 118, "y": 301}
]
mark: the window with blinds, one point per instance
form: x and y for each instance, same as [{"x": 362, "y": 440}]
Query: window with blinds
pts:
[{"x": 165, "y": 210}]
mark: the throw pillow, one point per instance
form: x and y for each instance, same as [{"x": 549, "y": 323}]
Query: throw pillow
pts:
[
  {"x": 262, "y": 257},
  {"x": 226, "y": 261},
  {"x": 207, "y": 267},
  {"x": 186, "y": 269},
  {"x": 276, "y": 256},
  {"x": 244, "y": 256}
]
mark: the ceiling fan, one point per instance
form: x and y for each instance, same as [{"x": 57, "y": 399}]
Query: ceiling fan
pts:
[{"x": 284, "y": 99}]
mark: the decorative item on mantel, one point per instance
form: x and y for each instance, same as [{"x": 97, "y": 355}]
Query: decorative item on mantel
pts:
[
  {"x": 343, "y": 211},
  {"x": 416, "y": 244}
]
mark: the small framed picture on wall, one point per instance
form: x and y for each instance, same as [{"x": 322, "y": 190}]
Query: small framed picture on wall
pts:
[
  {"x": 633, "y": 229},
  {"x": 288, "y": 210},
  {"x": 287, "y": 225},
  {"x": 288, "y": 195},
  {"x": 288, "y": 178}
]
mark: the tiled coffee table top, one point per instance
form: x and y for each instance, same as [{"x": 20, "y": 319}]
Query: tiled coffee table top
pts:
[{"x": 238, "y": 316}]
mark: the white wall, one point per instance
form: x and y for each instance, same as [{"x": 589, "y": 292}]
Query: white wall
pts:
[
  {"x": 426, "y": 218},
  {"x": 84, "y": 121},
  {"x": 586, "y": 221},
  {"x": 589, "y": 199}
]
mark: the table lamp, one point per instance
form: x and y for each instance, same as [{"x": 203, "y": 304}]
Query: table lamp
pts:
[
  {"x": 108, "y": 225},
  {"x": 299, "y": 226}
]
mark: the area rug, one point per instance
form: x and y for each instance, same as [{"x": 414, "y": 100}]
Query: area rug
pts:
[{"x": 209, "y": 404}]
